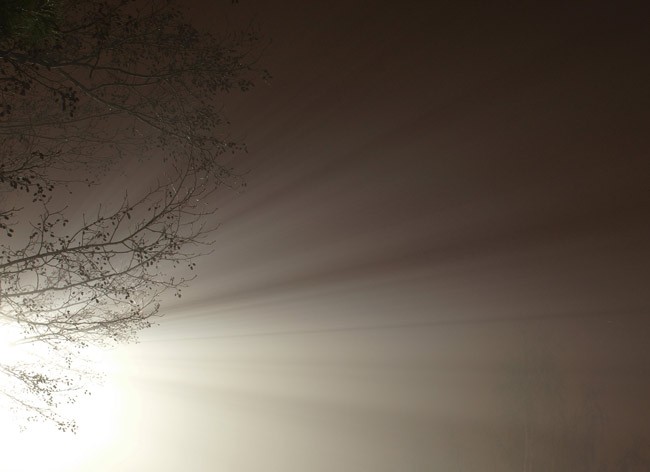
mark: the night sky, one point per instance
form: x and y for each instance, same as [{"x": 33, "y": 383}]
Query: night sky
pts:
[{"x": 441, "y": 261}]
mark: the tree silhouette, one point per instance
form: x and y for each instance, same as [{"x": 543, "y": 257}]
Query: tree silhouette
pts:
[{"x": 104, "y": 83}]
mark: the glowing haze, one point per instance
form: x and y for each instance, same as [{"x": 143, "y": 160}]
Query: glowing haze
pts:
[{"x": 441, "y": 262}]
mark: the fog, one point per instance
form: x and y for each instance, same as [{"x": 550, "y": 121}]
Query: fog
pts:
[{"x": 440, "y": 262}]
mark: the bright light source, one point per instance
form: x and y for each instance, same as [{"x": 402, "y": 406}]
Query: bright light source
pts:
[
  {"x": 36, "y": 447},
  {"x": 10, "y": 349}
]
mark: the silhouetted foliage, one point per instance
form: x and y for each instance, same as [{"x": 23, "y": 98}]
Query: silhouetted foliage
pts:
[
  {"x": 28, "y": 21},
  {"x": 84, "y": 86}
]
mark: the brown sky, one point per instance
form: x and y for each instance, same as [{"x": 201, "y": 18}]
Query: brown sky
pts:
[{"x": 441, "y": 262}]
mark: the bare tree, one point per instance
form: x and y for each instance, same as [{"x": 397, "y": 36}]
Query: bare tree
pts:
[{"x": 111, "y": 81}]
